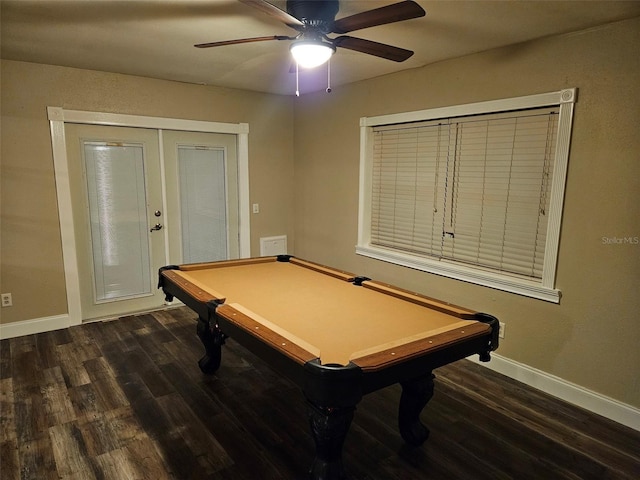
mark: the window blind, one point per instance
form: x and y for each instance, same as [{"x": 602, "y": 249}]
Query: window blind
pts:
[
  {"x": 203, "y": 206},
  {"x": 470, "y": 189}
]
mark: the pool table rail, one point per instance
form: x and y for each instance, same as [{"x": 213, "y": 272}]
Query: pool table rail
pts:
[
  {"x": 420, "y": 299},
  {"x": 333, "y": 272},
  {"x": 295, "y": 348},
  {"x": 174, "y": 285},
  {"x": 421, "y": 347}
]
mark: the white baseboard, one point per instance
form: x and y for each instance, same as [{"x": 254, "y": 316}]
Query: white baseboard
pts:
[
  {"x": 564, "y": 390},
  {"x": 37, "y": 325}
]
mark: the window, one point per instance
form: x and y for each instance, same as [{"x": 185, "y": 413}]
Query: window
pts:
[{"x": 473, "y": 192}]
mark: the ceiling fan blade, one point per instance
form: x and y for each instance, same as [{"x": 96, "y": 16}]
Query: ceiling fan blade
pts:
[
  {"x": 274, "y": 11},
  {"x": 373, "y": 48},
  {"x": 243, "y": 40},
  {"x": 396, "y": 12}
]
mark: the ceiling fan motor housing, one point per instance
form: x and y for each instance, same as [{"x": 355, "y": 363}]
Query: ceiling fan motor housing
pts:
[{"x": 318, "y": 14}]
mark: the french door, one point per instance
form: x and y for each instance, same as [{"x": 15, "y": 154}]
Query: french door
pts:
[
  {"x": 144, "y": 198},
  {"x": 202, "y": 196}
]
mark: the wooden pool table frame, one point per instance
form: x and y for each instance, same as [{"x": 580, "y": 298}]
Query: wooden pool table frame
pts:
[{"x": 333, "y": 391}]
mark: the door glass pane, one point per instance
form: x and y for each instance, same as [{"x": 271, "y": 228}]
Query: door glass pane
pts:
[
  {"x": 203, "y": 206},
  {"x": 118, "y": 217}
]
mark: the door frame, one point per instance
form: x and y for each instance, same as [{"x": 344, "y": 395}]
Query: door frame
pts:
[{"x": 58, "y": 116}]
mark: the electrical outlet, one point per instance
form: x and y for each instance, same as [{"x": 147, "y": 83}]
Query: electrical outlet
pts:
[
  {"x": 502, "y": 328},
  {"x": 6, "y": 300}
]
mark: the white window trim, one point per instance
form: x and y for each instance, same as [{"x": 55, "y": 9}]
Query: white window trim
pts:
[{"x": 543, "y": 289}]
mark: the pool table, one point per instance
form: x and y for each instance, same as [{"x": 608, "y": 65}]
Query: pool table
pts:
[{"x": 337, "y": 335}]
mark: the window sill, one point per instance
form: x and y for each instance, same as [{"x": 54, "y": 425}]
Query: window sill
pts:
[{"x": 504, "y": 282}]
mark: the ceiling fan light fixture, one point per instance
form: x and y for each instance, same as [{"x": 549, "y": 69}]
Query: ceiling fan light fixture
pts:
[{"x": 311, "y": 53}]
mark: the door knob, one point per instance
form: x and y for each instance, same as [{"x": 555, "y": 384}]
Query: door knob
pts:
[{"x": 158, "y": 226}]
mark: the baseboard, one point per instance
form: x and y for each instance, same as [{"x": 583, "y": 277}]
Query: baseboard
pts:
[
  {"x": 37, "y": 325},
  {"x": 576, "y": 395}
]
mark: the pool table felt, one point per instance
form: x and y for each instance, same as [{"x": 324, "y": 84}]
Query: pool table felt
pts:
[{"x": 325, "y": 314}]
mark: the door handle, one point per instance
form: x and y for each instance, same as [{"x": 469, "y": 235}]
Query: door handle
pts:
[{"x": 158, "y": 226}]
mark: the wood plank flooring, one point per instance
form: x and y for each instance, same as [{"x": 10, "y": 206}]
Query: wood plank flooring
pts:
[{"x": 125, "y": 399}]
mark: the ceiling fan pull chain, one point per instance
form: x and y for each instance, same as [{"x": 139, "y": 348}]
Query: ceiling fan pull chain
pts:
[
  {"x": 329, "y": 76},
  {"x": 297, "y": 85}
]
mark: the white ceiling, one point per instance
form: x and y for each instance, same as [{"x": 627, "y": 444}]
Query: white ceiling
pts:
[{"x": 155, "y": 38}]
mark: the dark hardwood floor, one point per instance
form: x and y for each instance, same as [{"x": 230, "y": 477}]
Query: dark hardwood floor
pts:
[{"x": 125, "y": 400}]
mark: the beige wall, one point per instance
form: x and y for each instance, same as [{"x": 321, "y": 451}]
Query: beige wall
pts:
[
  {"x": 31, "y": 260},
  {"x": 592, "y": 337}
]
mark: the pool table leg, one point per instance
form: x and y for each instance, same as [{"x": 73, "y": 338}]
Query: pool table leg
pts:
[
  {"x": 212, "y": 339},
  {"x": 416, "y": 393},
  {"x": 329, "y": 427}
]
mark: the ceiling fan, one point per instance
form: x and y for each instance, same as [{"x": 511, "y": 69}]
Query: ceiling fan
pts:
[{"x": 315, "y": 19}]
